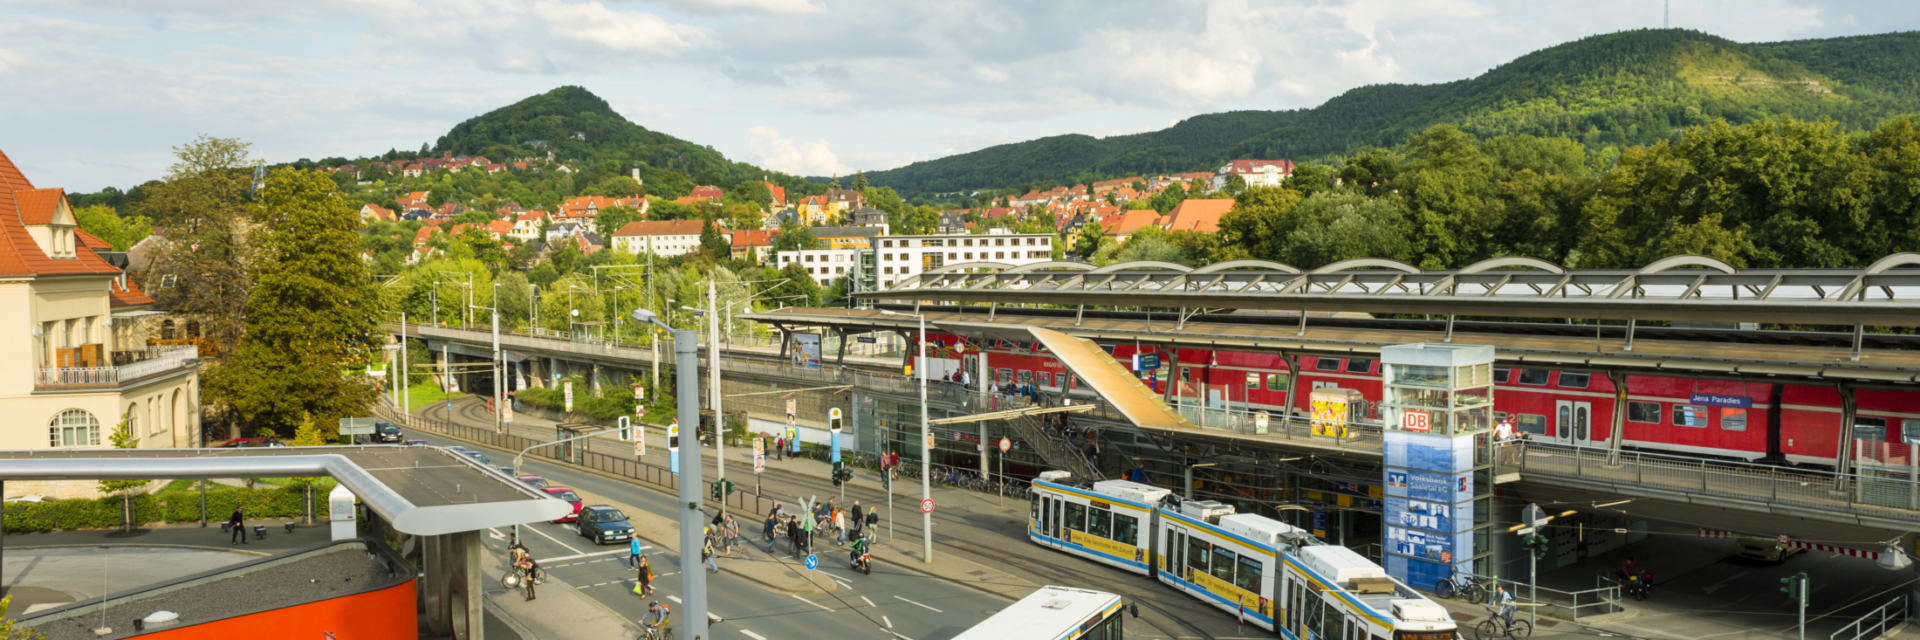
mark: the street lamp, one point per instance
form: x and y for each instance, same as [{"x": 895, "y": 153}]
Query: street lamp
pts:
[
  {"x": 926, "y": 438},
  {"x": 499, "y": 365},
  {"x": 693, "y": 580}
]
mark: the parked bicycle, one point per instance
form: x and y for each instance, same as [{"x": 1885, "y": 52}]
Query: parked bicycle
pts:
[{"x": 1463, "y": 586}]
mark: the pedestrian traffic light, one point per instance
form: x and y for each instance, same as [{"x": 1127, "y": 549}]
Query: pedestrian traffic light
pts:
[
  {"x": 886, "y": 481},
  {"x": 836, "y": 473},
  {"x": 842, "y": 475},
  {"x": 1795, "y": 586},
  {"x": 626, "y": 429},
  {"x": 1538, "y": 544}
]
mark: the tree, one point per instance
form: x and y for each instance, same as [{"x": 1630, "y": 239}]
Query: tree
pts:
[
  {"x": 614, "y": 217},
  {"x": 438, "y": 195},
  {"x": 203, "y": 205},
  {"x": 1309, "y": 179},
  {"x": 1330, "y": 227},
  {"x": 792, "y": 237},
  {"x": 1087, "y": 240},
  {"x": 1236, "y": 183},
  {"x": 106, "y": 224},
  {"x": 714, "y": 242},
  {"x": 312, "y": 311},
  {"x": 124, "y": 438},
  {"x": 860, "y": 181},
  {"x": 7, "y": 630},
  {"x": 1260, "y": 220}
]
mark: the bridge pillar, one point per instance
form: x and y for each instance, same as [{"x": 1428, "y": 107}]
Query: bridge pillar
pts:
[{"x": 451, "y": 585}]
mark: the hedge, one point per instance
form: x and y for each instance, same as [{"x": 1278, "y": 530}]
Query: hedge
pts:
[
  {"x": 612, "y": 402},
  {"x": 168, "y": 506}
]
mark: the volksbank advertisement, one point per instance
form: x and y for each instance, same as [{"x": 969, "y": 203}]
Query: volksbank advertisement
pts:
[{"x": 1429, "y": 506}]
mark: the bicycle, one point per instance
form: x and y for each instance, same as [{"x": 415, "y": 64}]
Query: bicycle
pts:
[
  {"x": 657, "y": 632},
  {"x": 1491, "y": 628},
  {"x": 1463, "y": 586}
]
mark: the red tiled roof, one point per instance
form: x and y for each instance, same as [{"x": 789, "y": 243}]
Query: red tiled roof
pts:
[
  {"x": 130, "y": 294},
  {"x": 1201, "y": 215},
  {"x": 659, "y": 228},
  {"x": 19, "y": 254},
  {"x": 753, "y": 238},
  {"x": 1132, "y": 221},
  {"x": 90, "y": 241},
  {"x": 37, "y": 206}
]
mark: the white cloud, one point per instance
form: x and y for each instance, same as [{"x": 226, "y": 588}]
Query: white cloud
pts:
[
  {"x": 769, "y": 149},
  {"x": 782, "y": 7},
  {"x": 626, "y": 31},
  {"x": 10, "y": 61}
]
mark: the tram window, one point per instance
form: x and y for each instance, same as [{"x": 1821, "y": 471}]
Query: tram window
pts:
[
  {"x": 1500, "y": 375},
  {"x": 1531, "y": 423},
  {"x": 1647, "y": 412},
  {"x": 1357, "y": 365},
  {"x": 1248, "y": 576},
  {"x": 1326, "y": 364},
  {"x": 1277, "y": 381},
  {"x": 1223, "y": 561},
  {"x": 1687, "y": 415},
  {"x": 1570, "y": 380},
  {"x": 1733, "y": 419},
  {"x": 1100, "y": 522},
  {"x": 1076, "y": 516},
  {"x": 1035, "y": 511},
  {"x": 1910, "y": 431},
  {"x": 1533, "y": 376},
  {"x": 1126, "y": 529},
  {"x": 1197, "y": 551},
  {"x": 1336, "y": 626}
]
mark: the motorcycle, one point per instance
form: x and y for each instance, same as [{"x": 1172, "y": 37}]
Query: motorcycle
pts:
[
  {"x": 1639, "y": 586},
  {"x": 863, "y": 563}
]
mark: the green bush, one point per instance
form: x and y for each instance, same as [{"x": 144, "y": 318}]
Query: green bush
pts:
[
  {"x": 612, "y": 402},
  {"x": 173, "y": 504}
]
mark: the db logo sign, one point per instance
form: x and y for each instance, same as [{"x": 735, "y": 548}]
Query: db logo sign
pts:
[{"x": 1416, "y": 421}]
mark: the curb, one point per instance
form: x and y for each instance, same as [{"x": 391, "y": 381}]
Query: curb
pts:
[
  {"x": 188, "y": 547},
  {"x": 507, "y": 618}
]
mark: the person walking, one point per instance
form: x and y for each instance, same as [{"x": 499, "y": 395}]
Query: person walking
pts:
[
  {"x": 793, "y": 536},
  {"x": 644, "y": 575},
  {"x": 633, "y": 552},
  {"x": 732, "y": 531},
  {"x": 773, "y": 523},
  {"x": 859, "y": 518},
  {"x": 807, "y": 526},
  {"x": 706, "y": 551},
  {"x": 238, "y": 523},
  {"x": 840, "y": 527}
]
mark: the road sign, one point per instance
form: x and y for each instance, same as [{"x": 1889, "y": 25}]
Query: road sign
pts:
[
  {"x": 813, "y": 562},
  {"x": 1146, "y": 361},
  {"x": 1005, "y": 445},
  {"x": 1260, "y": 423},
  {"x": 569, "y": 390},
  {"x": 1416, "y": 420},
  {"x": 926, "y": 506},
  {"x": 865, "y": 339},
  {"x": 357, "y": 426},
  {"x": 1533, "y": 516},
  {"x": 1783, "y": 540}
]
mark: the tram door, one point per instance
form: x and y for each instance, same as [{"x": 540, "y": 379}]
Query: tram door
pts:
[
  {"x": 1048, "y": 519},
  {"x": 1573, "y": 422}
]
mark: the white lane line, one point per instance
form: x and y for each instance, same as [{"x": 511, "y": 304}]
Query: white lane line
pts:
[
  {"x": 543, "y": 534},
  {"x": 753, "y": 635},
  {"x": 918, "y": 604},
  {"x": 888, "y": 620},
  {"x": 869, "y": 602},
  {"x": 812, "y": 603},
  {"x": 579, "y": 556},
  {"x": 835, "y": 576},
  {"x": 675, "y": 599},
  {"x": 896, "y": 635}
]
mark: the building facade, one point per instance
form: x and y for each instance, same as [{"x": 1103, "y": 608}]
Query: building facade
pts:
[
  {"x": 659, "y": 237},
  {"x": 902, "y": 257}
]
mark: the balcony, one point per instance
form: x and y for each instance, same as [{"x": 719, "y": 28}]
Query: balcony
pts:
[{"x": 129, "y": 366}]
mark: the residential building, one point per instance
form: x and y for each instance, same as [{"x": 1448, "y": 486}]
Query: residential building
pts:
[
  {"x": 779, "y": 196},
  {"x": 659, "y": 237},
  {"x": 590, "y": 206},
  {"x": 812, "y": 210},
  {"x": 867, "y": 217},
  {"x": 706, "y": 192},
  {"x": 843, "y": 200},
  {"x": 370, "y": 212},
  {"x": 901, "y": 257},
  {"x": 952, "y": 222},
  {"x": 83, "y": 356},
  {"x": 1257, "y": 173},
  {"x": 825, "y": 265},
  {"x": 846, "y": 237},
  {"x": 1198, "y": 214},
  {"x": 757, "y": 243},
  {"x": 526, "y": 226},
  {"x": 1130, "y": 222}
]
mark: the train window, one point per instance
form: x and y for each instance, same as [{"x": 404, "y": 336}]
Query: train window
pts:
[
  {"x": 1046, "y": 378},
  {"x": 1532, "y": 423},
  {"x": 1533, "y": 376},
  {"x": 1253, "y": 380},
  {"x": 1099, "y": 523},
  {"x": 1277, "y": 381},
  {"x": 1223, "y": 561},
  {"x": 1326, "y": 364},
  {"x": 1571, "y": 380},
  {"x": 1500, "y": 375},
  {"x": 1076, "y": 516},
  {"x": 1026, "y": 376},
  {"x": 1197, "y": 552},
  {"x": 1003, "y": 376},
  {"x": 1357, "y": 365},
  {"x": 1910, "y": 431},
  {"x": 1248, "y": 576},
  {"x": 1687, "y": 415},
  {"x": 1870, "y": 429},
  {"x": 1647, "y": 412},
  {"x": 1733, "y": 419},
  {"x": 1126, "y": 529}
]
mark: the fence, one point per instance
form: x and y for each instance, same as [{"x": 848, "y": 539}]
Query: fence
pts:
[
  {"x": 156, "y": 360},
  {"x": 1347, "y": 435},
  {"x": 1875, "y": 623},
  {"x": 622, "y": 466},
  {"x": 1869, "y": 494},
  {"x": 1602, "y": 599}
]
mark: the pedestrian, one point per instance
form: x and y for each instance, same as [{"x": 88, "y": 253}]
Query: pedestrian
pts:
[
  {"x": 840, "y": 527},
  {"x": 633, "y": 552},
  {"x": 779, "y": 448},
  {"x": 773, "y": 523},
  {"x": 806, "y": 532},
  {"x": 706, "y": 551},
  {"x": 859, "y": 518},
  {"x": 238, "y": 523},
  {"x": 793, "y": 536},
  {"x": 644, "y": 572},
  {"x": 733, "y": 535}
]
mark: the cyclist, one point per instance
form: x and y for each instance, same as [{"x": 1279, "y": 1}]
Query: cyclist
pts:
[
  {"x": 1501, "y": 604},
  {"x": 1629, "y": 569},
  {"x": 656, "y": 619},
  {"x": 523, "y": 562}
]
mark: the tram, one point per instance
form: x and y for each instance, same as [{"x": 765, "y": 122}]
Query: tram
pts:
[
  {"x": 1054, "y": 613},
  {"x": 1265, "y": 572}
]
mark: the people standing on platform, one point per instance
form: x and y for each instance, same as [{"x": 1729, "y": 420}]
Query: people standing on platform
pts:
[{"x": 238, "y": 523}]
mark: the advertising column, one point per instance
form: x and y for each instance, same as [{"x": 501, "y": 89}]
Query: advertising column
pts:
[{"x": 1438, "y": 412}]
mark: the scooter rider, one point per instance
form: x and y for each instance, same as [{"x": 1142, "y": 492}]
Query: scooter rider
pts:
[{"x": 859, "y": 549}]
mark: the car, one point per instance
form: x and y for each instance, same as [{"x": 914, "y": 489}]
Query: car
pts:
[
  {"x": 415, "y": 443},
  {"x": 1767, "y": 549},
  {"x": 567, "y": 494},
  {"x": 477, "y": 456},
  {"x": 604, "y": 525},
  {"x": 245, "y": 443},
  {"x": 385, "y": 432},
  {"x": 537, "y": 482},
  {"x": 506, "y": 470}
]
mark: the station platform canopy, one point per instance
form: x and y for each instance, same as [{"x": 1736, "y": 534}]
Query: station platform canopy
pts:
[{"x": 1104, "y": 375}]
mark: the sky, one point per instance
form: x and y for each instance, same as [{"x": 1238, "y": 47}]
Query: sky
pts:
[{"x": 97, "y": 93}]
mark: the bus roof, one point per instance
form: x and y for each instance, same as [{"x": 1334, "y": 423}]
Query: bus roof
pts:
[{"x": 1049, "y": 613}]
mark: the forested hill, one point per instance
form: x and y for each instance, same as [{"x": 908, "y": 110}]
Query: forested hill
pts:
[
  {"x": 1618, "y": 89},
  {"x": 579, "y": 126}
]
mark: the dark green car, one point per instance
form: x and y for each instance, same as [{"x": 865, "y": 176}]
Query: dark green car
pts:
[{"x": 604, "y": 525}]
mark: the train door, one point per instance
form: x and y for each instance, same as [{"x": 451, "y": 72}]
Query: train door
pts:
[
  {"x": 970, "y": 363},
  {"x": 1573, "y": 422}
]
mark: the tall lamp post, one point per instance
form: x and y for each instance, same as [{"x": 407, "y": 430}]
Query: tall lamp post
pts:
[
  {"x": 926, "y": 438},
  {"x": 693, "y": 580},
  {"x": 499, "y": 366}
]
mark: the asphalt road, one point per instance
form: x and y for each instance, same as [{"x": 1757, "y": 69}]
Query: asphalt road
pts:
[{"x": 889, "y": 603}]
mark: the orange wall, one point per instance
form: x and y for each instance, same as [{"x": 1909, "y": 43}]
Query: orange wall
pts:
[{"x": 375, "y": 615}]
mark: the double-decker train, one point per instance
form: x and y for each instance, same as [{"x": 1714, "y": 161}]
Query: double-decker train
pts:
[
  {"x": 1795, "y": 422},
  {"x": 1267, "y": 573}
]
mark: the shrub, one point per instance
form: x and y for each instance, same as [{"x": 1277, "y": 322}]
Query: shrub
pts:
[{"x": 170, "y": 505}]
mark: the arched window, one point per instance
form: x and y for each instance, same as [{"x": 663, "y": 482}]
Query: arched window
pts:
[
  {"x": 133, "y": 418},
  {"x": 74, "y": 428}
]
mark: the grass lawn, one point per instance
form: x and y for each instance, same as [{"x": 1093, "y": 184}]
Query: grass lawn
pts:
[{"x": 426, "y": 393}]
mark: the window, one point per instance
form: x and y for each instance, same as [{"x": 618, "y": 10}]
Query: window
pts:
[
  {"x": 1000, "y": 242},
  {"x": 883, "y": 256},
  {"x": 883, "y": 243},
  {"x": 1326, "y": 364},
  {"x": 1223, "y": 561},
  {"x": 1277, "y": 381},
  {"x": 1359, "y": 366},
  {"x": 1099, "y": 523},
  {"x": 1046, "y": 379},
  {"x": 1687, "y": 415},
  {"x": 1532, "y": 423},
  {"x": 969, "y": 255},
  {"x": 886, "y": 270},
  {"x": 1253, "y": 380},
  {"x": 1076, "y": 516},
  {"x": 1733, "y": 419},
  {"x": 1026, "y": 376},
  {"x": 1533, "y": 376},
  {"x": 1003, "y": 375},
  {"x": 953, "y": 256},
  {"x": 999, "y": 255},
  {"x": 1248, "y": 575},
  {"x": 1043, "y": 242},
  {"x": 1197, "y": 552},
  {"x": 1571, "y": 380},
  {"x": 809, "y": 257},
  {"x": 1644, "y": 412},
  {"x": 1126, "y": 529},
  {"x": 1500, "y": 375},
  {"x": 74, "y": 428}
]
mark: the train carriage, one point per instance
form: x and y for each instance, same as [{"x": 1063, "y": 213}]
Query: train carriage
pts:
[
  {"x": 1203, "y": 553},
  {"x": 1110, "y": 523}
]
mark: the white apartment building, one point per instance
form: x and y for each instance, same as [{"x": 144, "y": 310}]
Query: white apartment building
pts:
[
  {"x": 1257, "y": 173},
  {"x": 660, "y": 237},
  {"x": 825, "y": 265},
  {"x": 902, "y": 257}
]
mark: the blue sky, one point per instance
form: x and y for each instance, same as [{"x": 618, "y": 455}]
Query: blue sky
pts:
[{"x": 95, "y": 94}]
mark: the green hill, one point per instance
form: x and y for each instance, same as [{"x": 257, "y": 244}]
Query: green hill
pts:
[{"x": 1618, "y": 89}]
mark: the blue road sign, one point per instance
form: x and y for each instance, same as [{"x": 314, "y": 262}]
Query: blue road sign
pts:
[
  {"x": 865, "y": 339},
  {"x": 813, "y": 562}
]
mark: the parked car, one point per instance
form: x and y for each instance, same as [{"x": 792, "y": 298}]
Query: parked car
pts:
[
  {"x": 481, "y": 457},
  {"x": 240, "y": 443},
  {"x": 568, "y": 495},
  {"x": 1767, "y": 549},
  {"x": 537, "y": 482},
  {"x": 604, "y": 525},
  {"x": 385, "y": 432},
  {"x": 415, "y": 443}
]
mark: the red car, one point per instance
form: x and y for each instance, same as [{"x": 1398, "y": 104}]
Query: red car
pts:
[
  {"x": 568, "y": 495},
  {"x": 239, "y": 443},
  {"x": 538, "y": 483}
]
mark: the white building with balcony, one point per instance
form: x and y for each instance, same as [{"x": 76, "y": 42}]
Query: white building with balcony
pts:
[
  {"x": 902, "y": 257},
  {"x": 79, "y": 361}
]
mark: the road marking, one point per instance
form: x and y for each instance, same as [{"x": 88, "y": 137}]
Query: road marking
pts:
[
  {"x": 835, "y": 576},
  {"x": 675, "y": 599},
  {"x": 753, "y": 635},
  {"x": 896, "y": 635},
  {"x": 495, "y": 534},
  {"x": 557, "y": 541},
  {"x": 869, "y": 602},
  {"x": 578, "y": 556},
  {"x": 888, "y": 620},
  {"x": 812, "y": 603},
  {"x": 918, "y": 604},
  {"x": 1717, "y": 585}
]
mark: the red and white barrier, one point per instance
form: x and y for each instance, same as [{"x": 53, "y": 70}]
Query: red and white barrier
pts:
[{"x": 1811, "y": 546}]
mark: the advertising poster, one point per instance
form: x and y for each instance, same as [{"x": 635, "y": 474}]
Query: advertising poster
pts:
[
  {"x": 1330, "y": 412},
  {"x": 807, "y": 351}
]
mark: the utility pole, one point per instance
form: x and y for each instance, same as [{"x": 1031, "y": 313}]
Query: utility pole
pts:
[
  {"x": 1795, "y": 586},
  {"x": 693, "y": 579},
  {"x": 713, "y": 390},
  {"x": 500, "y": 369}
]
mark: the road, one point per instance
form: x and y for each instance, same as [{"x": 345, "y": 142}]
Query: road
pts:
[{"x": 889, "y": 603}]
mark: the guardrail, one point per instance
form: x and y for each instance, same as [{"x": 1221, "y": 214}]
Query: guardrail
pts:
[
  {"x": 158, "y": 360},
  {"x": 1875, "y": 623},
  {"x": 1869, "y": 494},
  {"x": 1604, "y": 598}
]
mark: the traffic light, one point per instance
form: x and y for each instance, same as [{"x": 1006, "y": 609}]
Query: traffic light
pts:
[
  {"x": 886, "y": 481},
  {"x": 1795, "y": 586},
  {"x": 626, "y": 429},
  {"x": 715, "y": 489},
  {"x": 842, "y": 475},
  {"x": 1538, "y": 544},
  {"x": 837, "y": 466}
]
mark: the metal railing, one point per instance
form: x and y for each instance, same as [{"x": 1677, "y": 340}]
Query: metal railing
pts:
[
  {"x": 1604, "y": 598},
  {"x": 1875, "y": 623},
  {"x": 1863, "y": 494},
  {"x": 157, "y": 360}
]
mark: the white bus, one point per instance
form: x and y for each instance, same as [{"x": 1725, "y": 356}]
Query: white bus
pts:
[{"x": 1054, "y": 613}]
